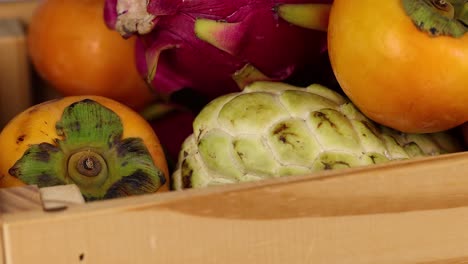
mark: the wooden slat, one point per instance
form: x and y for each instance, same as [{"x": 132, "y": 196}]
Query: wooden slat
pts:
[
  {"x": 18, "y": 199},
  {"x": 15, "y": 91},
  {"x": 21, "y": 10},
  {"x": 403, "y": 212},
  {"x": 59, "y": 197},
  {"x": 28, "y": 198},
  {"x": 2, "y": 254}
]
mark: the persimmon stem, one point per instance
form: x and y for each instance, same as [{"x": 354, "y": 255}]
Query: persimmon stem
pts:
[{"x": 444, "y": 8}]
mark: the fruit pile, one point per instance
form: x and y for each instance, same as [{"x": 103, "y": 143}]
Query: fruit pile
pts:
[{"x": 174, "y": 94}]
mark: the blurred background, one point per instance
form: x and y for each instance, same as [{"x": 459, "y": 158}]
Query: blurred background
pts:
[{"x": 20, "y": 87}]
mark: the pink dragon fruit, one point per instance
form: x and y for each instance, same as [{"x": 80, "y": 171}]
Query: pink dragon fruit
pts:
[{"x": 218, "y": 46}]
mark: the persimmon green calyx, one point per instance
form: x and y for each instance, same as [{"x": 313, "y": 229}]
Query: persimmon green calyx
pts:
[{"x": 439, "y": 17}]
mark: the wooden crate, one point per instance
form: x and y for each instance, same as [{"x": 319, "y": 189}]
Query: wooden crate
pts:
[
  {"x": 15, "y": 77},
  {"x": 402, "y": 212},
  {"x": 20, "y": 10},
  {"x": 19, "y": 86}
]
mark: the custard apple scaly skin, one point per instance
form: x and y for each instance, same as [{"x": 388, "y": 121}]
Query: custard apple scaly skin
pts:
[{"x": 273, "y": 129}]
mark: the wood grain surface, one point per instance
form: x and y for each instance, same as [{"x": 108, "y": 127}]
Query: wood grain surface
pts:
[
  {"x": 20, "y": 10},
  {"x": 18, "y": 199},
  {"x": 402, "y": 212},
  {"x": 60, "y": 197},
  {"x": 15, "y": 84}
]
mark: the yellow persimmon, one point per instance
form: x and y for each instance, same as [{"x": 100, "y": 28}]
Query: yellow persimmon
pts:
[{"x": 101, "y": 145}]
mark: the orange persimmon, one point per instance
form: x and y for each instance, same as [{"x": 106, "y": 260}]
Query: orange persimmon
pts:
[
  {"x": 403, "y": 63},
  {"x": 72, "y": 49}
]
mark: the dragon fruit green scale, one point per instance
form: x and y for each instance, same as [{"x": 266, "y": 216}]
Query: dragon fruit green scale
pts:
[
  {"x": 274, "y": 129},
  {"x": 219, "y": 46}
]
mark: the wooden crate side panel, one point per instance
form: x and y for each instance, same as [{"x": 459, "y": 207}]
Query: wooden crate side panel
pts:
[
  {"x": 159, "y": 236},
  {"x": 15, "y": 83},
  {"x": 17, "y": 199},
  {"x": 2, "y": 250},
  {"x": 404, "y": 212},
  {"x": 21, "y": 10}
]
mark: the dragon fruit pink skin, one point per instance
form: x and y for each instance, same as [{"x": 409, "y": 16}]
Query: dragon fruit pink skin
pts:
[{"x": 217, "y": 46}]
